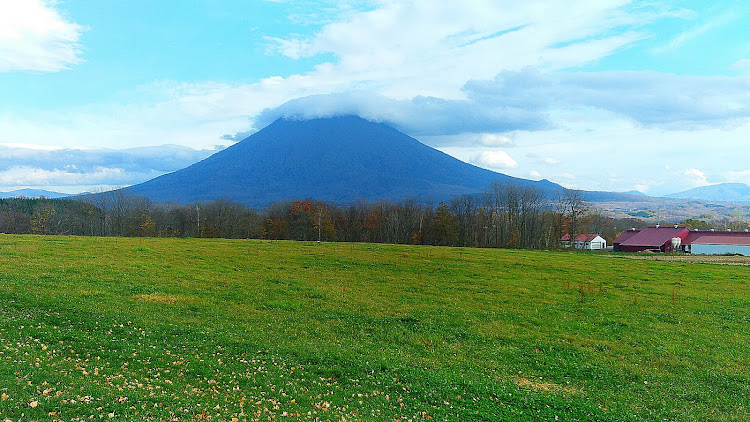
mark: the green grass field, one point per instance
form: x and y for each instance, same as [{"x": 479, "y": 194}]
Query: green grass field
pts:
[{"x": 197, "y": 329}]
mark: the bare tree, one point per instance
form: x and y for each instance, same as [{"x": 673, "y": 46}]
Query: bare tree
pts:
[{"x": 571, "y": 208}]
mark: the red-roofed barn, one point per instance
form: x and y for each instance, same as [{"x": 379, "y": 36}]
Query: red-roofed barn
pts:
[
  {"x": 657, "y": 239},
  {"x": 627, "y": 234}
]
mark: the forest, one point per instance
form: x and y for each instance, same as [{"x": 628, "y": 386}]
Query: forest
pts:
[{"x": 503, "y": 215}]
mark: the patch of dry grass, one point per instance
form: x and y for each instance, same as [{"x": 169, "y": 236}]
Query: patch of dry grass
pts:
[
  {"x": 157, "y": 298},
  {"x": 546, "y": 386}
]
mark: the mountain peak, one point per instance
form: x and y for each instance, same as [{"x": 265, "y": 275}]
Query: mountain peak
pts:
[{"x": 338, "y": 159}]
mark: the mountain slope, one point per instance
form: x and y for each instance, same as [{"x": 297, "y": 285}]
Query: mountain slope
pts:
[
  {"x": 725, "y": 192},
  {"x": 339, "y": 159}
]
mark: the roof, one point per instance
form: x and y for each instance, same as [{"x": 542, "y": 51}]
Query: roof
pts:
[
  {"x": 627, "y": 234},
  {"x": 693, "y": 235},
  {"x": 655, "y": 236},
  {"x": 580, "y": 237},
  {"x": 723, "y": 240}
]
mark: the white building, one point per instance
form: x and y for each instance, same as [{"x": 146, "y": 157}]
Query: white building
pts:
[
  {"x": 586, "y": 241},
  {"x": 720, "y": 245}
]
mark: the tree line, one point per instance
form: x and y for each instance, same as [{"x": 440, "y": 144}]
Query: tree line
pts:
[{"x": 503, "y": 215}]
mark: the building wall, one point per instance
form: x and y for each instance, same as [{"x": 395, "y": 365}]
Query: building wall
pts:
[
  {"x": 663, "y": 248},
  {"x": 633, "y": 248},
  {"x": 595, "y": 245},
  {"x": 599, "y": 243},
  {"x": 699, "y": 249}
]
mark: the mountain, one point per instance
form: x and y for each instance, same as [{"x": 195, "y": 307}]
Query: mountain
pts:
[
  {"x": 32, "y": 193},
  {"x": 635, "y": 192},
  {"x": 722, "y": 192},
  {"x": 337, "y": 159}
]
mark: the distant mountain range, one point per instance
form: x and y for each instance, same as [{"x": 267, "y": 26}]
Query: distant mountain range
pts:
[
  {"x": 32, "y": 193},
  {"x": 339, "y": 159},
  {"x": 722, "y": 192}
]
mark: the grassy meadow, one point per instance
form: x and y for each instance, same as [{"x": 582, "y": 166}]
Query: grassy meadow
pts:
[{"x": 225, "y": 330}]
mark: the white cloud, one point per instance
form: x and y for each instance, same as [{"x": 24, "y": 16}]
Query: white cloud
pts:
[
  {"x": 33, "y": 147},
  {"x": 569, "y": 177},
  {"x": 650, "y": 98},
  {"x": 404, "y": 49},
  {"x": 495, "y": 140},
  {"x": 291, "y": 48},
  {"x": 496, "y": 160},
  {"x": 33, "y": 167},
  {"x": 615, "y": 154},
  {"x": 738, "y": 176},
  {"x": 696, "y": 32},
  {"x": 35, "y": 36},
  {"x": 417, "y": 116},
  {"x": 697, "y": 177},
  {"x": 195, "y": 116},
  {"x": 33, "y": 177},
  {"x": 642, "y": 188},
  {"x": 741, "y": 66},
  {"x": 534, "y": 100}
]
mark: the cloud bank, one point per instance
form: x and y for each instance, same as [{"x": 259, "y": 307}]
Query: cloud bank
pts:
[
  {"x": 35, "y": 36},
  {"x": 72, "y": 170},
  {"x": 418, "y": 116},
  {"x": 525, "y": 100}
]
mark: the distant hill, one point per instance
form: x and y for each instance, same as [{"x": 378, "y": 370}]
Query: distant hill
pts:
[
  {"x": 32, "y": 193},
  {"x": 635, "y": 192},
  {"x": 722, "y": 192},
  {"x": 339, "y": 159}
]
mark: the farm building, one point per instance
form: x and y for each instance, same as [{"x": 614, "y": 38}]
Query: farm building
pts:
[
  {"x": 716, "y": 242},
  {"x": 585, "y": 241},
  {"x": 657, "y": 239},
  {"x": 719, "y": 245},
  {"x": 627, "y": 234},
  {"x": 670, "y": 239}
]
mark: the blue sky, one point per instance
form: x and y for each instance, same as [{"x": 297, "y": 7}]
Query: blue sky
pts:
[{"x": 601, "y": 95}]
